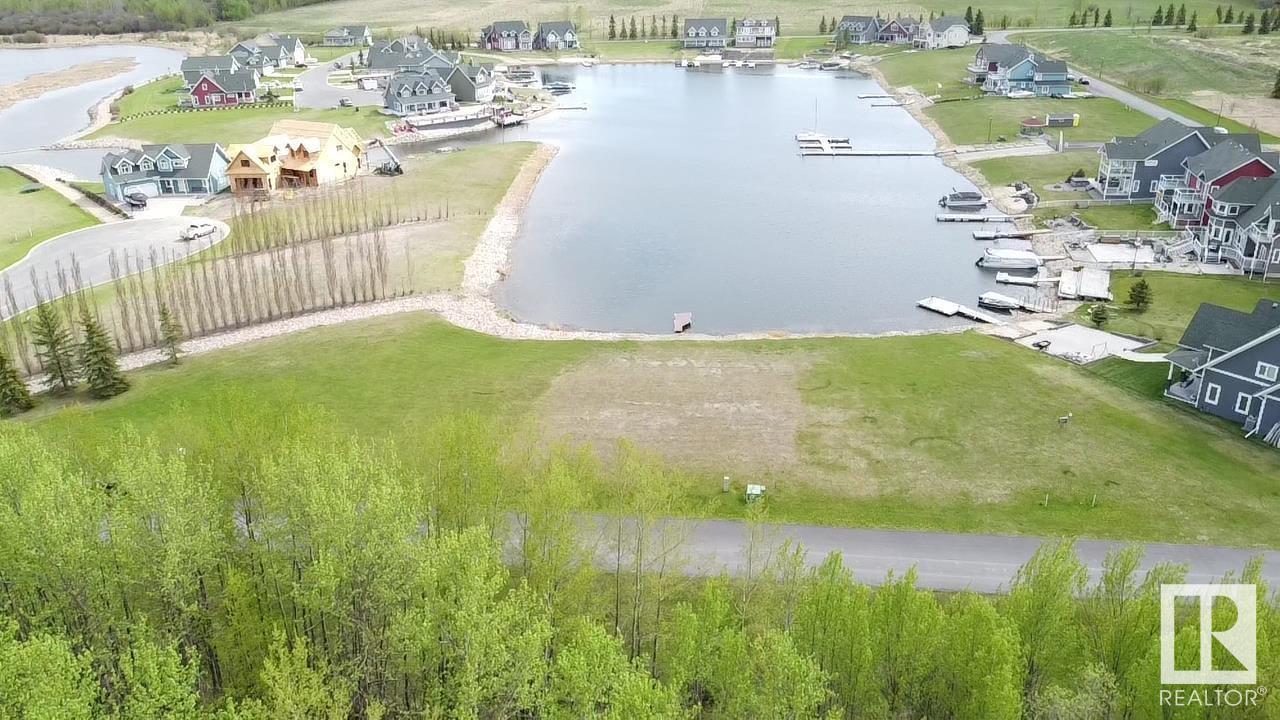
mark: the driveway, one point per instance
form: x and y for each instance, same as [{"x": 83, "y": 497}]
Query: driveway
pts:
[
  {"x": 92, "y": 247},
  {"x": 318, "y": 93}
]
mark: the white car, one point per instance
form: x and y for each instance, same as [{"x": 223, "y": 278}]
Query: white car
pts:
[{"x": 195, "y": 231}]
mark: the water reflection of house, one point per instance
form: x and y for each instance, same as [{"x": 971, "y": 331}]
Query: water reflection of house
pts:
[{"x": 296, "y": 153}]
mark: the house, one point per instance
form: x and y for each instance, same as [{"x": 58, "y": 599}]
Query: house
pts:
[
  {"x": 349, "y": 36},
  {"x": 471, "y": 83},
  {"x": 1242, "y": 226},
  {"x": 408, "y": 44},
  {"x": 264, "y": 56},
  {"x": 751, "y": 33},
  {"x": 706, "y": 33},
  {"x": 900, "y": 31},
  {"x": 158, "y": 170},
  {"x": 507, "y": 36},
  {"x": 296, "y": 153},
  {"x": 945, "y": 32},
  {"x": 417, "y": 93},
  {"x": 295, "y": 53},
  {"x": 1227, "y": 363},
  {"x": 858, "y": 29},
  {"x": 1182, "y": 199},
  {"x": 558, "y": 35},
  {"x": 1001, "y": 69},
  {"x": 227, "y": 89},
  {"x": 403, "y": 55},
  {"x": 1131, "y": 167},
  {"x": 194, "y": 68}
]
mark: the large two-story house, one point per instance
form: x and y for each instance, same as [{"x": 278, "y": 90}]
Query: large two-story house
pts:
[
  {"x": 194, "y": 68},
  {"x": 417, "y": 93},
  {"x": 227, "y": 89},
  {"x": 1002, "y": 69},
  {"x": 1242, "y": 226},
  {"x": 1228, "y": 364},
  {"x": 295, "y": 154},
  {"x": 1182, "y": 199},
  {"x": 752, "y": 33},
  {"x": 507, "y": 36},
  {"x": 899, "y": 31},
  {"x": 858, "y": 29},
  {"x": 705, "y": 32},
  {"x": 349, "y": 36},
  {"x": 1131, "y": 167},
  {"x": 262, "y": 55},
  {"x": 471, "y": 83},
  {"x": 556, "y": 35},
  {"x": 158, "y": 170},
  {"x": 947, "y": 31},
  {"x": 404, "y": 55}
]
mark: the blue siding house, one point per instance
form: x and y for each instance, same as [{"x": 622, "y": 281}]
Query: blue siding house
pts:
[
  {"x": 1228, "y": 364},
  {"x": 157, "y": 170},
  {"x": 1002, "y": 69},
  {"x": 1131, "y": 167}
]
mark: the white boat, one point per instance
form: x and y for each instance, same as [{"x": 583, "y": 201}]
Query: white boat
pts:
[
  {"x": 996, "y": 301},
  {"x": 809, "y": 65},
  {"x": 1009, "y": 259},
  {"x": 726, "y": 64},
  {"x": 963, "y": 200},
  {"x": 558, "y": 85},
  {"x": 1019, "y": 94},
  {"x": 749, "y": 65}
]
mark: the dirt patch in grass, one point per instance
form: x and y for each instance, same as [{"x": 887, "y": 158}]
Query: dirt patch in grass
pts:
[
  {"x": 1256, "y": 112},
  {"x": 704, "y": 408}
]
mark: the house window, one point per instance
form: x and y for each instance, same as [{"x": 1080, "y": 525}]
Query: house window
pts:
[
  {"x": 244, "y": 162},
  {"x": 1153, "y": 185},
  {"x": 1267, "y": 371},
  {"x": 1212, "y": 393},
  {"x": 1275, "y": 255},
  {"x": 1243, "y": 401}
]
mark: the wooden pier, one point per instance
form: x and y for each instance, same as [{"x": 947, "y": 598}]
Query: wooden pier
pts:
[
  {"x": 874, "y": 96},
  {"x": 943, "y": 306},
  {"x": 1003, "y": 234},
  {"x": 1009, "y": 279},
  {"x": 817, "y": 144},
  {"x": 977, "y": 217}
]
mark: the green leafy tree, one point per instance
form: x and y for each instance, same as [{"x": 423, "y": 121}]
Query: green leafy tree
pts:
[
  {"x": 1248, "y": 24},
  {"x": 613, "y": 28},
  {"x": 14, "y": 396},
  {"x": 1041, "y": 604},
  {"x": 170, "y": 334},
  {"x": 977, "y": 665},
  {"x": 98, "y": 359},
  {"x": 1158, "y": 17},
  {"x": 298, "y": 683},
  {"x": 1191, "y": 26},
  {"x": 1106, "y": 19},
  {"x": 43, "y": 678},
  {"x": 54, "y": 348},
  {"x": 158, "y": 682}
]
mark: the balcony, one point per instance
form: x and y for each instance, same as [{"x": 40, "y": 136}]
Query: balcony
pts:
[
  {"x": 1187, "y": 391},
  {"x": 1172, "y": 182}
]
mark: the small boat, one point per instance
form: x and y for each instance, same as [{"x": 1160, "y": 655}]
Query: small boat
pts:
[
  {"x": 588, "y": 63},
  {"x": 1019, "y": 94},
  {"x": 833, "y": 65},
  {"x": 1009, "y": 259},
  {"x": 726, "y": 64},
  {"x": 963, "y": 200},
  {"x": 558, "y": 85},
  {"x": 809, "y": 65},
  {"x": 682, "y": 322},
  {"x": 996, "y": 301},
  {"x": 749, "y": 65}
]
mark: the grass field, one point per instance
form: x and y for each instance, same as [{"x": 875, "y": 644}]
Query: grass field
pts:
[
  {"x": 236, "y": 125},
  {"x": 159, "y": 95},
  {"x": 1112, "y": 217},
  {"x": 938, "y": 72},
  {"x": 1040, "y": 170},
  {"x": 873, "y": 432},
  {"x": 33, "y": 217},
  {"x": 1176, "y": 299},
  {"x": 979, "y": 121}
]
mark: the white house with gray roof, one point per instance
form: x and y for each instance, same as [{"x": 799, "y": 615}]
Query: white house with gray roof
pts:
[
  {"x": 705, "y": 33},
  {"x": 349, "y": 36},
  {"x": 417, "y": 93},
  {"x": 159, "y": 170},
  {"x": 755, "y": 33},
  {"x": 556, "y": 35},
  {"x": 1227, "y": 363},
  {"x": 947, "y": 31}
]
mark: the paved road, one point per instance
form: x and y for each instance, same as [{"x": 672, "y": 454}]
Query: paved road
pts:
[
  {"x": 318, "y": 93},
  {"x": 1106, "y": 89},
  {"x": 91, "y": 248},
  {"x": 943, "y": 561}
]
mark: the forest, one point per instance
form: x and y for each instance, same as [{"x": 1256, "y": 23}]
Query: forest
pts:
[
  {"x": 274, "y": 567},
  {"x": 69, "y": 17}
]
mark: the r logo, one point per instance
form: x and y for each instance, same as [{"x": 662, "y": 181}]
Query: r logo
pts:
[{"x": 1240, "y": 640}]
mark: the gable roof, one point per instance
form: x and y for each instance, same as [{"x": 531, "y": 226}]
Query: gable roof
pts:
[
  {"x": 559, "y": 27},
  {"x": 1214, "y": 326},
  {"x": 1005, "y": 55},
  {"x": 348, "y": 31},
  {"x": 1268, "y": 202},
  {"x": 430, "y": 79},
  {"x": 946, "y": 22},
  {"x": 202, "y": 63},
  {"x": 236, "y": 81},
  {"x": 860, "y": 23},
  {"x": 1049, "y": 65},
  {"x": 1169, "y": 132},
  {"x": 503, "y": 27},
  {"x": 199, "y": 159},
  {"x": 1221, "y": 159},
  {"x": 721, "y": 25}
]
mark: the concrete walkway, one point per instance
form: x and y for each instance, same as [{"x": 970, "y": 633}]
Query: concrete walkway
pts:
[{"x": 49, "y": 178}]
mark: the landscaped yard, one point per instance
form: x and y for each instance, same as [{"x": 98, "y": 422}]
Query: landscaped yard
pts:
[
  {"x": 1176, "y": 299},
  {"x": 969, "y": 122},
  {"x": 955, "y": 432},
  {"x": 1041, "y": 170},
  {"x": 159, "y": 95},
  {"x": 33, "y": 217},
  {"x": 237, "y": 125},
  {"x": 1106, "y": 217}
]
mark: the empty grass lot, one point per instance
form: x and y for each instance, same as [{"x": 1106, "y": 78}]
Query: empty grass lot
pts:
[
  {"x": 159, "y": 95},
  {"x": 954, "y": 432},
  {"x": 33, "y": 217},
  {"x": 1106, "y": 217},
  {"x": 968, "y": 122},
  {"x": 1176, "y": 299},
  {"x": 236, "y": 125},
  {"x": 935, "y": 72},
  {"x": 1040, "y": 170}
]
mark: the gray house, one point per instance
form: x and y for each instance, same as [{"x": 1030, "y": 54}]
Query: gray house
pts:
[
  {"x": 858, "y": 29},
  {"x": 471, "y": 83},
  {"x": 559, "y": 35},
  {"x": 1131, "y": 166},
  {"x": 507, "y": 36},
  {"x": 155, "y": 170},
  {"x": 1228, "y": 364},
  {"x": 706, "y": 32},
  {"x": 349, "y": 36},
  {"x": 417, "y": 93}
]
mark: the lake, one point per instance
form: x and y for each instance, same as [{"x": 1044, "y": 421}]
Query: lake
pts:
[{"x": 683, "y": 191}]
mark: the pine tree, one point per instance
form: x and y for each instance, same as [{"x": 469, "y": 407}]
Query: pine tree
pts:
[
  {"x": 1182, "y": 15},
  {"x": 777, "y": 26},
  {"x": 822, "y": 26},
  {"x": 1230, "y": 17},
  {"x": 1140, "y": 292},
  {"x": 968, "y": 15},
  {"x": 674, "y": 24},
  {"x": 1098, "y": 315},
  {"x": 1191, "y": 26},
  {"x": 1106, "y": 20},
  {"x": 979, "y": 23},
  {"x": 1264, "y": 23},
  {"x": 1218, "y": 11},
  {"x": 733, "y": 27},
  {"x": 1096, "y": 17},
  {"x": 170, "y": 334},
  {"x": 1169, "y": 16},
  {"x": 1275, "y": 91},
  {"x": 1248, "y": 24},
  {"x": 14, "y": 396},
  {"x": 613, "y": 28},
  {"x": 1158, "y": 18},
  {"x": 98, "y": 359},
  {"x": 632, "y": 33},
  {"x": 54, "y": 348},
  {"x": 1073, "y": 20}
]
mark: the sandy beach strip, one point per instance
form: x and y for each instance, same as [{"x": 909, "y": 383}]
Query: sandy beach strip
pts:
[{"x": 36, "y": 85}]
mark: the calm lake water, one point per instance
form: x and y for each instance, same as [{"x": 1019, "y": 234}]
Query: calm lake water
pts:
[
  {"x": 683, "y": 191},
  {"x": 55, "y": 115}
]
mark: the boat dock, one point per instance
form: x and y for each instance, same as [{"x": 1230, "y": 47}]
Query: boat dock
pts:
[
  {"x": 1085, "y": 284},
  {"x": 1003, "y": 234},
  {"x": 977, "y": 217},
  {"x": 817, "y": 144},
  {"x": 943, "y": 306},
  {"x": 682, "y": 322},
  {"x": 874, "y": 96},
  {"x": 1008, "y": 279}
]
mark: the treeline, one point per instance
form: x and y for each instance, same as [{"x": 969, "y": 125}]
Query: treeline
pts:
[
  {"x": 274, "y": 567},
  {"x": 91, "y": 17}
]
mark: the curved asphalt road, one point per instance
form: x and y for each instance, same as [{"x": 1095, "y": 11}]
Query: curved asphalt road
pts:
[
  {"x": 92, "y": 247},
  {"x": 318, "y": 93}
]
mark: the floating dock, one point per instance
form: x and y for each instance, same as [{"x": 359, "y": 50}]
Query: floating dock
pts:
[
  {"x": 887, "y": 104},
  {"x": 1008, "y": 279},
  {"x": 682, "y": 322},
  {"x": 817, "y": 144},
  {"x": 1086, "y": 284},
  {"x": 1003, "y": 234},
  {"x": 943, "y": 306},
  {"x": 977, "y": 217},
  {"x": 874, "y": 96}
]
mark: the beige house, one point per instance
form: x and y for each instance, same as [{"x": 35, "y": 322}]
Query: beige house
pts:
[{"x": 296, "y": 153}]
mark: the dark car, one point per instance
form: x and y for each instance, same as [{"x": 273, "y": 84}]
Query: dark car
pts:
[{"x": 136, "y": 200}]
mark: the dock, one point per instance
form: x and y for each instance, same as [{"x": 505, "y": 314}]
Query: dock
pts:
[
  {"x": 874, "y": 96},
  {"x": 817, "y": 144},
  {"x": 682, "y": 322},
  {"x": 943, "y": 306},
  {"x": 977, "y": 217},
  {"x": 1003, "y": 234},
  {"x": 1008, "y": 279},
  {"x": 1086, "y": 284},
  {"x": 887, "y": 104}
]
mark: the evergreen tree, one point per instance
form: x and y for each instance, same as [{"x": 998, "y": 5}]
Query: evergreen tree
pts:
[
  {"x": 777, "y": 26},
  {"x": 979, "y": 23},
  {"x": 54, "y": 348},
  {"x": 1191, "y": 26},
  {"x": 1248, "y": 24},
  {"x": 1073, "y": 20},
  {"x": 613, "y": 28},
  {"x": 98, "y": 359},
  {"x": 675, "y": 33},
  {"x": 1275, "y": 91},
  {"x": 1169, "y": 15},
  {"x": 1106, "y": 20},
  {"x": 822, "y": 26},
  {"x": 1264, "y": 23},
  {"x": 1230, "y": 17},
  {"x": 1140, "y": 292},
  {"x": 968, "y": 15},
  {"x": 632, "y": 33},
  {"x": 653, "y": 26},
  {"x": 733, "y": 27},
  {"x": 1158, "y": 18},
  {"x": 1218, "y": 12},
  {"x": 1182, "y": 15},
  {"x": 1097, "y": 18},
  {"x": 14, "y": 396},
  {"x": 170, "y": 334},
  {"x": 1099, "y": 315}
]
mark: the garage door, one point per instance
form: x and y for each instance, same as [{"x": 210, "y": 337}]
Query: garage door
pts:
[{"x": 149, "y": 188}]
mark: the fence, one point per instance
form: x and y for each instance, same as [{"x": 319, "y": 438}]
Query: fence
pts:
[{"x": 177, "y": 110}]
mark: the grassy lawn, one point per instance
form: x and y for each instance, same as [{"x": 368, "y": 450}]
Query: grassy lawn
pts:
[
  {"x": 1191, "y": 111},
  {"x": 236, "y": 125},
  {"x": 794, "y": 48},
  {"x": 969, "y": 122},
  {"x": 1040, "y": 170},
  {"x": 630, "y": 50},
  {"x": 886, "y": 437},
  {"x": 159, "y": 95},
  {"x": 1176, "y": 298},
  {"x": 327, "y": 54},
  {"x": 1106, "y": 217},
  {"x": 926, "y": 71},
  {"x": 33, "y": 217}
]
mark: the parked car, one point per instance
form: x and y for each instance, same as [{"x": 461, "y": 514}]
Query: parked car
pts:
[
  {"x": 136, "y": 200},
  {"x": 297, "y": 88},
  {"x": 1084, "y": 80},
  {"x": 344, "y": 102},
  {"x": 195, "y": 231}
]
